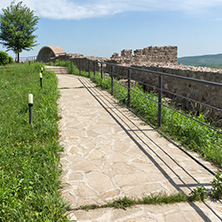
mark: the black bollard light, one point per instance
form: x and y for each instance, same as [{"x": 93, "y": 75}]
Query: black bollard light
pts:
[
  {"x": 30, "y": 108},
  {"x": 29, "y": 61},
  {"x": 42, "y": 70},
  {"x": 40, "y": 75}
]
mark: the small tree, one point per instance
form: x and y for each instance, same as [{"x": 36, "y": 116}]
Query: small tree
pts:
[{"x": 17, "y": 24}]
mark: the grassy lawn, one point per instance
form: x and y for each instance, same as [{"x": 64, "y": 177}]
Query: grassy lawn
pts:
[
  {"x": 29, "y": 160},
  {"x": 29, "y": 154}
]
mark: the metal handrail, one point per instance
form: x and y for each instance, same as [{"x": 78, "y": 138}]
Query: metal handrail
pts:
[{"x": 95, "y": 64}]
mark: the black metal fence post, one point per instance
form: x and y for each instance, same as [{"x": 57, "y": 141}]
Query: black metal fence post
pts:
[
  {"x": 94, "y": 69},
  {"x": 71, "y": 65},
  {"x": 101, "y": 71},
  {"x": 198, "y": 109},
  {"x": 160, "y": 101},
  {"x": 79, "y": 68},
  {"x": 129, "y": 87},
  {"x": 111, "y": 80},
  {"x": 89, "y": 67}
]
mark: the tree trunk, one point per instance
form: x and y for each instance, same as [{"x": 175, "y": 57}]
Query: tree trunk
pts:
[{"x": 18, "y": 57}]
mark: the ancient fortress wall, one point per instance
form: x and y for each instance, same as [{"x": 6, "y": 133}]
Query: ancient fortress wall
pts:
[
  {"x": 166, "y": 54},
  {"x": 162, "y": 59},
  {"x": 201, "y": 92}
]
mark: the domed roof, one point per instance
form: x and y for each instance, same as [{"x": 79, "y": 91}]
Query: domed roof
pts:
[{"x": 47, "y": 52}]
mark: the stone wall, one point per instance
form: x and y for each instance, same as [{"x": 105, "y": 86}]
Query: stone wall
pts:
[
  {"x": 165, "y": 54},
  {"x": 83, "y": 62},
  {"x": 200, "y": 92}
]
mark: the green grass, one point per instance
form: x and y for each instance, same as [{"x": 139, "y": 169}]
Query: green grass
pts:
[
  {"x": 29, "y": 154},
  {"x": 215, "y": 66},
  {"x": 29, "y": 160},
  {"x": 192, "y": 135},
  {"x": 158, "y": 199},
  {"x": 57, "y": 63}
]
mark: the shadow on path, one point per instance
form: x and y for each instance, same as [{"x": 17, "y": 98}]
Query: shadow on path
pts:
[{"x": 134, "y": 132}]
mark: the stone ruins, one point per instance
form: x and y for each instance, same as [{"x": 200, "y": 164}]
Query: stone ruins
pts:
[
  {"x": 165, "y": 54},
  {"x": 159, "y": 59}
]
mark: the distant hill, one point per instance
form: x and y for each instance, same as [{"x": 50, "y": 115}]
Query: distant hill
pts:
[{"x": 205, "y": 60}]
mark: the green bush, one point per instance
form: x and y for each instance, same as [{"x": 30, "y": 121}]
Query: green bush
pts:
[{"x": 4, "y": 59}]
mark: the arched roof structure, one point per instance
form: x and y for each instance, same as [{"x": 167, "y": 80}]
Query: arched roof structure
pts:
[{"x": 47, "y": 52}]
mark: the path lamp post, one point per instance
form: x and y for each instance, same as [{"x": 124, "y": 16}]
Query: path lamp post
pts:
[
  {"x": 30, "y": 108},
  {"x": 40, "y": 75}
]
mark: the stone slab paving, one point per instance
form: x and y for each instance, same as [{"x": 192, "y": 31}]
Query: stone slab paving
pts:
[
  {"x": 180, "y": 212},
  {"x": 110, "y": 153}
]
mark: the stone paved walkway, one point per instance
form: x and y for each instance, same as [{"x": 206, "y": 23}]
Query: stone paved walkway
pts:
[{"x": 110, "y": 153}]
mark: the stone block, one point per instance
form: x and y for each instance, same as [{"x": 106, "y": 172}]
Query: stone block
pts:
[
  {"x": 138, "y": 52},
  {"x": 126, "y": 53}
]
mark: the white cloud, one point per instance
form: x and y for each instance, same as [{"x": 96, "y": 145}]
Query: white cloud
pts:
[{"x": 81, "y": 9}]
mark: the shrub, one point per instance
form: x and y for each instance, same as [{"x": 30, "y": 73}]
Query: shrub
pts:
[
  {"x": 4, "y": 59},
  {"x": 217, "y": 186}
]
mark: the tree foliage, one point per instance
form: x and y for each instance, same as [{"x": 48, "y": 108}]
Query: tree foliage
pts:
[
  {"x": 17, "y": 24},
  {"x": 4, "y": 59}
]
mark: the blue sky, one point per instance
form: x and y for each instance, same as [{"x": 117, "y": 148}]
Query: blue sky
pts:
[{"x": 102, "y": 27}]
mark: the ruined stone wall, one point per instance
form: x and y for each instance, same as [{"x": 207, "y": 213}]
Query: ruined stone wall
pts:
[
  {"x": 83, "y": 63},
  {"x": 200, "y": 92},
  {"x": 165, "y": 54}
]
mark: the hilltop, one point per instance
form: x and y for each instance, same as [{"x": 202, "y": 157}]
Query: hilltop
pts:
[{"x": 204, "y": 60}]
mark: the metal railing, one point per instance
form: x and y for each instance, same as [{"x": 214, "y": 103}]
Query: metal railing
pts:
[
  {"x": 27, "y": 59},
  {"x": 94, "y": 67},
  {"x": 106, "y": 70}
]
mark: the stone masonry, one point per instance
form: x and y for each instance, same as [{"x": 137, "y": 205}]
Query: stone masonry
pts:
[
  {"x": 165, "y": 54},
  {"x": 161, "y": 59}
]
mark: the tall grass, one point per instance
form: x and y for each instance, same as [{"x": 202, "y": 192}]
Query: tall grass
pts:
[
  {"x": 57, "y": 62},
  {"x": 29, "y": 160},
  {"x": 188, "y": 132},
  {"x": 191, "y": 134}
]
